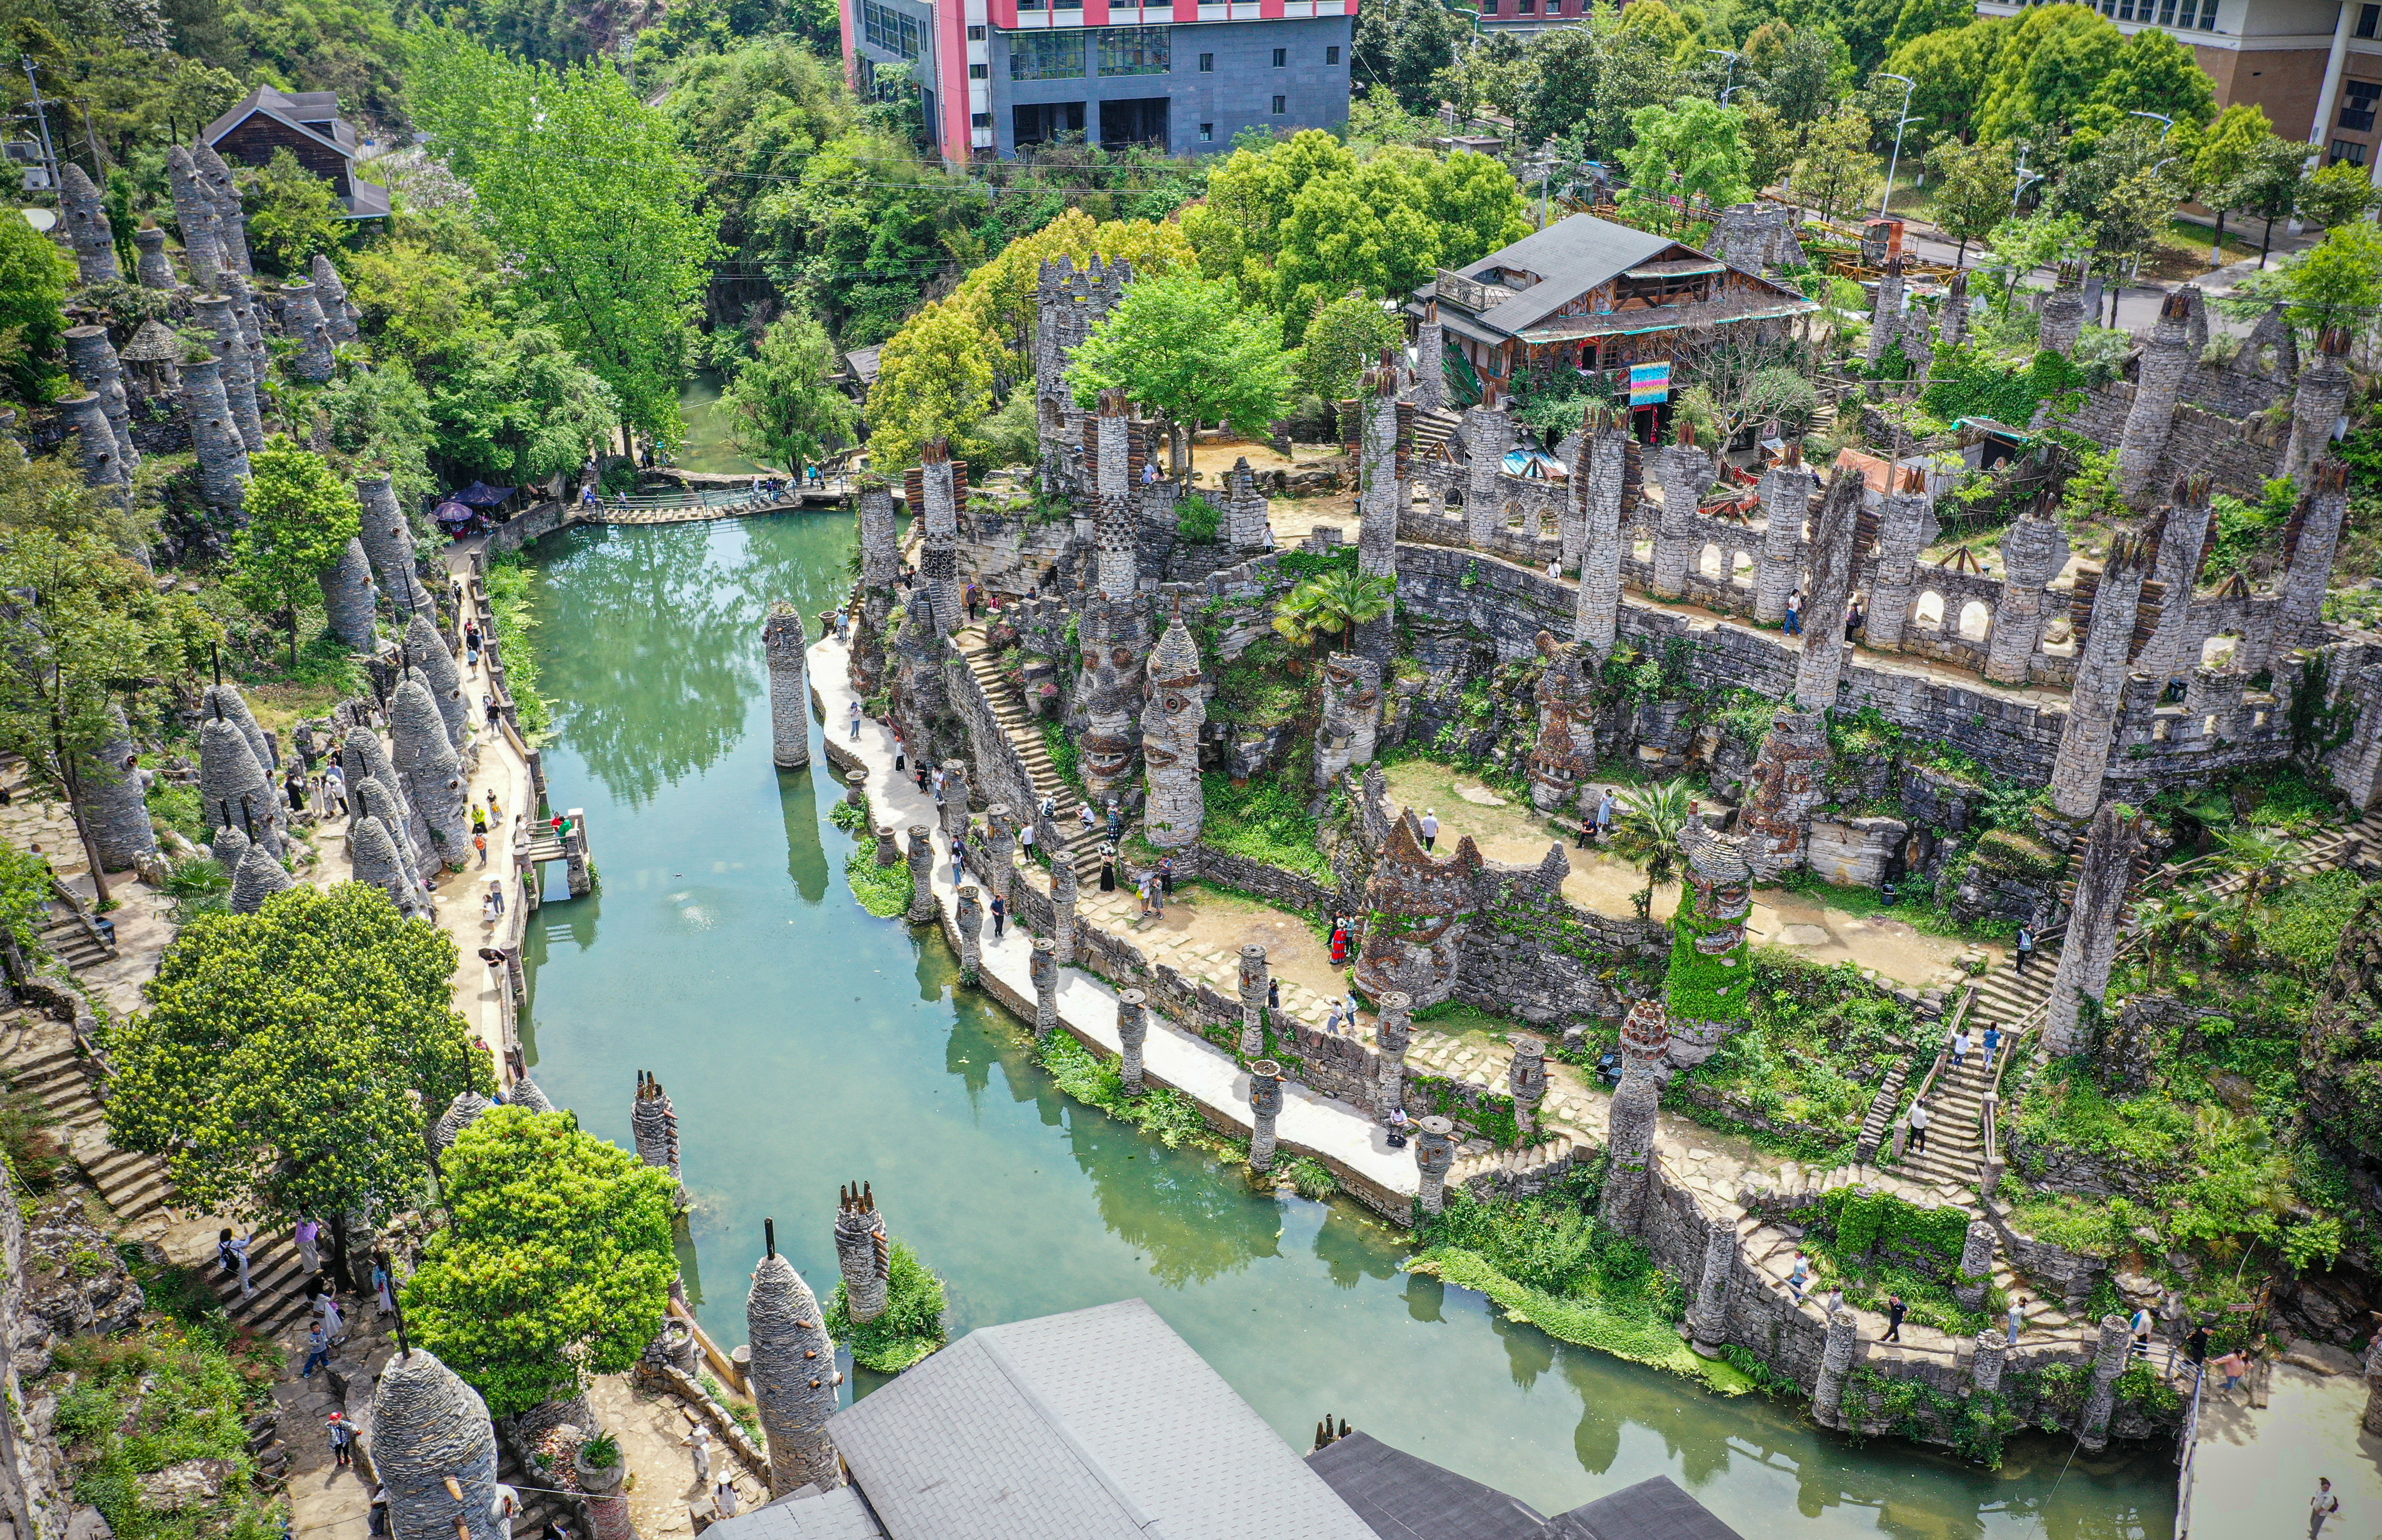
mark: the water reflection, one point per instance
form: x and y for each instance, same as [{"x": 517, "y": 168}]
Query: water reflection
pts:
[{"x": 806, "y": 857}]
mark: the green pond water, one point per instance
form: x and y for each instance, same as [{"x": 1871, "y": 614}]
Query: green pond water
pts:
[
  {"x": 710, "y": 433},
  {"x": 806, "y": 1043}
]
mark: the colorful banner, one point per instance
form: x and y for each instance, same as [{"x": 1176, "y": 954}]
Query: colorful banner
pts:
[{"x": 1650, "y": 383}]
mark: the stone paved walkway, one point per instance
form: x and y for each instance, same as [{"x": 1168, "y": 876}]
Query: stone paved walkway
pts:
[{"x": 2254, "y": 1469}]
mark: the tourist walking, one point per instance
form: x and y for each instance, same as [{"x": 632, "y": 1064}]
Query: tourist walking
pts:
[
  {"x": 294, "y": 785},
  {"x": 856, "y": 719},
  {"x": 1917, "y": 1124},
  {"x": 700, "y": 1442},
  {"x": 1795, "y": 613},
  {"x": 335, "y": 790},
  {"x": 2025, "y": 950},
  {"x": 497, "y": 893},
  {"x": 1430, "y": 828},
  {"x": 318, "y": 1350},
  {"x": 1799, "y": 1277},
  {"x": 1026, "y": 841},
  {"x": 343, "y": 1440},
  {"x": 959, "y": 858},
  {"x": 1166, "y": 877},
  {"x": 723, "y": 1497},
  {"x": 1604, "y": 816},
  {"x": 233, "y": 1255},
  {"x": 1854, "y": 619},
  {"x": 327, "y": 1315},
  {"x": 1992, "y": 1044},
  {"x": 383, "y": 1285},
  {"x": 503, "y": 1508},
  {"x": 1895, "y": 1311},
  {"x": 2017, "y": 1317},
  {"x": 1141, "y": 889},
  {"x": 480, "y": 843},
  {"x": 939, "y": 777},
  {"x": 305, "y": 1236},
  {"x": 1116, "y": 821},
  {"x": 2196, "y": 1346},
  {"x": 2234, "y": 1367},
  {"x": 1961, "y": 1048},
  {"x": 1156, "y": 895},
  {"x": 2321, "y": 1507},
  {"x": 1339, "y": 943},
  {"x": 2140, "y": 1325},
  {"x": 488, "y": 709},
  {"x": 1000, "y": 913},
  {"x": 496, "y": 811}
]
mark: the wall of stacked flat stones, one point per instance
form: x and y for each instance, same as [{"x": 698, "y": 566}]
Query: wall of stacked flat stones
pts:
[
  {"x": 540, "y": 519},
  {"x": 1295, "y": 891},
  {"x": 995, "y": 772},
  {"x": 2239, "y": 456},
  {"x": 1514, "y": 546},
  {"x": 33, "y": 1495},
  {"x": 1008, "y": 552},
  {"x": 1506, "y": 966}
]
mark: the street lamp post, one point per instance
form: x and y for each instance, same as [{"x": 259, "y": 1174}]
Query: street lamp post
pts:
[
  {"x": 2163, "y": 118},
  {"x": 1903, "y": 121},
  {"x": 1729, "y": 83},
  {"x": 2025, "y": 179}
]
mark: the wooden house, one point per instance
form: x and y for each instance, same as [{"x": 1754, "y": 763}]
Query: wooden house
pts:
[{"x": 308, "y": 125}]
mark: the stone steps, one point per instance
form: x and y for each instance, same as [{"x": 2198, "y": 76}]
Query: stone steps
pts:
[
  {"x": 1546, "y": 1160},
  {"x": 1025, "y": 735}
]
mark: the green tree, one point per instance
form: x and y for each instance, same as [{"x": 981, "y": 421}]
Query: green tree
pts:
[
  {"x": 290, "y": 1059},
  {"x": 865, "y": 232},
  {"x": 292, "y": 215},
  {"x": 934, "y": 380},
  {"x": 2267, "y": 185},
  {"x": 1346, "y": 338},
  {"x": 34, "y": 278},
  {"x": 1799, "y": 72},
  {"x": 2340, "y": 194},
  {"x": 1837, "y": 171},
  {"x": 556, "y": 1263},
  {"x": 2156, "y": 71},
  {"x": 515, "y": 408},
  {"x": 1769, "y": 141},
  {"x": 1974, "y": 187},
  {"x": 1693, "y": 150},
  {"x": 752, "y": 117},
  {"x": 2337, "y": 282},
  {"x": 1919, "y": 19},
  {"x": 1330, "y": 605},
  {"x": 300, "y": 515},
  {"x": 2019, "y": 247},
  {"x": 1637, "y": 68},
  {"x": 89, "y": 623},
  {"x": 583, "y": 186},
  {"x": 2048, "y": 69},
  {"x": 1401, "y": 46},
  {"x": 1951, "y": 68},
  {"x": 1183, "y": 346},
  {"x": 1560, "y": 86},
  {"x": 785, "y": 406},
  {"x": 2221, "y": 158},
  {"x": 1648, "y": 833}
]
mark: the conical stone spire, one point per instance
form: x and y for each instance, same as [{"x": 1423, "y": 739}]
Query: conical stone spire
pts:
[
  {"x": 92, "y": 358},
  {"x": 525, "y": 1092},
  {"x": 863, "y": 1253},
  {"x": 99, "y": 450},
  {"x": 331, "y": 295},
  {"x": 231, "y": 786},
  {"x": 467, "y": 1108},
  {"x": 154, "y": 269},
  {"x": 112, "y": 805},
  {"x": 214, "y": 313},
  {"x": 301, "y": 317},
  {"x": 362, "y": 754},
  {"x": 214, "y": 437},
  {"x": 1170, "y": 724},
  {"x": 389, "y": 543},
  {"x": 194, "y": 211},
  {"x": 228, "y": 847},
  {"x": 226, "y": 702},
  {"x": 653, "y": 1123},
  {"x": 425, "y": 761},
  {"x": 231, "y": 219},
  {"x": 429, "y": 1429},
  {"x": 87, "y": 228},
  {"x": 374, "y": 798},
  {"x": 375, "y": 865},
  {"x": 793, "y": 1375},
  {"x": 348, "y": 595},
  {"x": 258, "y": 878},
  {"x": 426, "y": 651}
]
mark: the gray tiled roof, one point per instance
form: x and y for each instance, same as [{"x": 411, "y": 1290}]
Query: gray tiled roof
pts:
[
  {"x": 808, "y": 1514},
  {"x": 1404, "y": 1497},
  {"x": 1655, "y": 1509},
  {"x": 1570, "y": 257},
  {"x": 1097, "y": 1425}
]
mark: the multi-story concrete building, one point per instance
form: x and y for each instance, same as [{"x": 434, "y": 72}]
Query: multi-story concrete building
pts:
[{"x": 999, "y": 76}]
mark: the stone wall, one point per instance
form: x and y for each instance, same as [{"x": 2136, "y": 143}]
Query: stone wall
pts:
[
  {"x": 35, "y": 1498},
  {"x": 537, "y": 521},
  {"x": 2236, "y": 453},
  {"x": 995, "y": 772}
]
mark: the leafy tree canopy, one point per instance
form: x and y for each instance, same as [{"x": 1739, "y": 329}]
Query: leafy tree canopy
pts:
[
  {"x": 292, "y": 213},
  {"x": 1184, "y": 346},
  {"x": 1343, "y": 340},
  {"x": 1692, "y": 149},
  {"x": 34, "y": 278},
  {"x": 1952, "y": 68},
  {"x": 787, "y": 411},
  {"x": 518, "y": 407},
  {"x": 300, "y": 515}
]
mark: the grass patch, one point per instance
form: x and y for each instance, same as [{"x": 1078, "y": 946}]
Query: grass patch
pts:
[
  {"x": 510, "y": 591},
  {"x": 883, "y": 891},
  {"x": 1162, "y": 1112},
  {"x": 2302, "y": 923},
  {"x": 912, "y": 1325},
  {"x": 1309, "y": 1178},
  {"x": 1264, "y": 821}
]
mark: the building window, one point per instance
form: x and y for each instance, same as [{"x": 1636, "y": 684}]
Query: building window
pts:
[
  {"x": 1045, "y": 55},
  {"x": 1207, "y": 133},
  {"x": 976, "y": 34},
  {"x": 1280, "y": 58},
  {"x": 2357, "y": 99},
  {"x": 890, "y": 30},
  {"x": 1206, "y": 64},
  {"x": 2208, "y": 15},
  {"x": 1041, "y": 122},
  {"x": 2345, "y": 149},
  {"x": 1136, "y": 50},
  {"x": 980, "y": 120},
  {"x": 979, "y": 72},
  {"x": 1332, "y": 55},
  {"x": 1526, "y": 8},
  {"x": 2369, "y": 20},
  {"x": 2166, "y": 13},
  {"x": 1281, "y": 106}
]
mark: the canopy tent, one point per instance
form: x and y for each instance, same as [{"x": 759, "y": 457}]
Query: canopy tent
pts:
[
  {"x": 452, "y": 512},
  {"x": 480, "y": 494}
]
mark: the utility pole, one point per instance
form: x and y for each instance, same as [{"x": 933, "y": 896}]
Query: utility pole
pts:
[
  {"x": 1904, "y": 120},
  {"x": 98, "y": 163},
  {"x": 41, "y": 117}
]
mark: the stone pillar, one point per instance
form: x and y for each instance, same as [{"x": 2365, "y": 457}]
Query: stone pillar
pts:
[
  {"x": 388, "y": 542},
  {"x": 1044, "y": 968},
  {"x": 348, "y": 597},
  {"x": 113, "y": 803},
  {"x": 331, "y": 293},
  {"x": 232, "y": 220},
  {"x": 1488, "y": 433},
  {"x": 1265, "y": 1105},
  {"x": 2063, "y": 310},
  {"x": 1992, "y": 1350},
  {"x": 1382, "y": 492},
  {"x": 301, "y": 317},
  {"x": 93, "y": 359},
  {"x": 2310, "y": 544},
  {"x": 1599, "y": 483},
  {"x": 939, "y": 532},
  {"x": 1063, "y": 903},
  {"x": 955, "y": 798},
  {"x": 1906, "y": 524},
  {"x": 1836, "y": 1358},
  {"x": 151, "y": 265},
  {"x": 999, "y": 852},
  {"x": 2317, "y": 405},
  {"x": 1112, "y": 649},
  {"x": 1822, "y": 666},
  {"x": 1255, "y": 982},
  {"x": 863, "y": 1253},
  {"x": 1248, "y": 516},
  {"x": 232, "y": 785},
  {"x": 2091, "y": 943},
  {"x": 2166, "y": 358},
  {"x": 370, "y": 796},
  {"x": 783, "y": 642},
  {"x": 430, "y": 1429},
  {"x": 889, "y": 848},
  {"x": 374, "y": 861},
  {"x": 967, "y": 915},
  {"x": 214, "y": 438},
  {"x": 2035, "y": 549},
  {"x": 1392, "y": 1036},
  {"x": 252, "y": 326},
  {"x": 426, "y": 762},
  {"x": 88, "y": 231},
  {"x": 1976, "y": 1266},
  {"x": 880, "y": 554},
  {"x": 258, "y": 878},
  {"x": 653, "y": 1125},
  {"x": 1645, "y": 1040},
  {"x": 922, "y": 875},
  {"x": 2182, "y": 539},
  {"x": 793, "y": 1373},
  {"x": 427, "y": 653},
  {"x": 1434, "y": 1147},
  {"x": 577, "y": 856},
  {"x": 1176, "y": 805},
  {"x": 225, "y": 701},
  {"x": 1954, "y": 329},
  {"x": 1430, "y": 360},
  {"x": 98, "y": 450},
  {"x": 2108, "y": 1363},
  {"x": 1133, "y": 1031},
  {"x": 1707, "y": 1327},
  {"x": 194, "y": 212},
  {"x": 2373, "y": 1386},
  {"x": 1346, "y": 732},
  {"x": 855, "y": 792},
  {"x": 1525, "y": 1081},
  {"x": 213, "y": 312},
  {"x": 2103, "y": 665},
  {"x": 1108, "y": 453},
  {"x": 1786, "y": 492},
  {"x": 1886, "y": 316},
  {"x": 1683, "y": 471}
]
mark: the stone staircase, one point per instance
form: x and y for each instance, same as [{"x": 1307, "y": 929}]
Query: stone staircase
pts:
[
  {"x": 1518, "y": 1172},
  {"x": 1025, "y": 735},
  {"x": 1956, "y": 1104},
  {"x": 67, "y": 937}
]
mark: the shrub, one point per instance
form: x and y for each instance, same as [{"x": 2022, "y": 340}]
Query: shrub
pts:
[
  {"x": 1197, "y": 520},
  {"x": 1264, "y": 821},
  {"x": 883, "y": 891},
  {"x": 912, "y": 1325}
]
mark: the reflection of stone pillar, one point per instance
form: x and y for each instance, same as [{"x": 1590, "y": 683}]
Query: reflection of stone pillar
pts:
[
  {"x": 1434, "y": 1147},
  {"x": 783, "y": 642},
  {"x": 93, "y": 359},
  {"x": 1344, "y": 733},
  {"x": 793, "y": 1375},
  {"x": 88, "y": 231},
  {"x": 2091, "y": 944},
  {"x": 922, "y": 875},
  {"x": 433, "y": 1451},
  {"x": 2035, "y": 548},
  {"x": 889, "y": 848},
  {"x": 1683, "y": 471},
  {"x": 1063, "y": 904},
  {"x": 1265, "y": 1105},
  {"x": 1787, "y": 492},
  {"x": 1708, "y": 1317},
  {"x": 1488, "y": 433},
  {"x": 1043, "y": 966},
  {"x": 2183, "y": 539},
  {"x": 1976, "y": 1267},
  {"x": 1176, "y": 806},
  {"x": 348, "y": 597},
  {"x": 1525, "y": 1081},
  {"x": 1837, "y": 1357},
  {"x": 2309, "y": 548},
  {"x": 862, "y": 1255},
  {"x": 1645, "y": 1039},
  {"x": 2103, "y": 664},
  {"x": 1133, "y": 1031},
  {"x": 2108, "y": 1363},
  {"x": 214, "y": 437},
  {"x": 1905, "y": 522},
  {"x": 1822, "y": 666},
  {"x": 1392, "y": 1036},
  {"x": 967, "y": 915},
  {"x": 2317, "y": 403},
  {"x": 1596, "y": 612},
  {"x": 1254, "y": 983},
  {"x": 1986, "y": 1366},
  {"x": 2166, "y": 358}
]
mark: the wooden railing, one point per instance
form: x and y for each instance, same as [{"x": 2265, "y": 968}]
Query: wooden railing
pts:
[
  {"x": 2187, "y": 1444},
  {"x": 1989, "y": 1133},
  {"x": 1943, "y": 1058}
]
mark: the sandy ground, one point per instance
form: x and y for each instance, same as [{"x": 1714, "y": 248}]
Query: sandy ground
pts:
[
  {"x": 1200, "y": 920},
  {"x": 2254, "y": 1470}
]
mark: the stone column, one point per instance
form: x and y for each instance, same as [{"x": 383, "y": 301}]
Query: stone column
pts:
[
  {"x": 1837, "y": 1359},
  {"x": 1435, "y": 1148},
  {"x": 1044, "y": 968},
  {"x": 252, "y": 326},
  {"x": 1346, "y": 733},
  {"x": 999, "y": 852},
  {"x": 1175, "y": 809},
  {"x": 113, "y": 803},
  {"x": 1265, "y": 1105},
  {"x": 331, "y": 292},
  {"x": 388, "y": 542},
  {"x": 2103, "y": 665},
  {"x": 2091, "y": 943},
  {"x": 967, "y": 915},
  {"x": 2035, "y": 549},
  {"x": 1108, "y": 453},
  {"x": 258, "y": 878},
  {"x": 232, "y": 220},
  {"x": 88, "y": 231},
  {"x": 862, "y": 1253},
  {"x": 426, "y": 762},
  {"x": 938, "y": 534},
  {"x": 2166, "y": 358},
  {"x": 232, "y": 786},
  {"x": 301, "y": 317},
  {"x": 2313, "y": 540},
  {"x": 1822, "y": 666},
  {"x": 213, "y": 312},
  {"x": 1786, "y": 492},
  {"x": 653, "y": 1125},
  {"x": 151, "y": 265},
  {"x": 1255, "y": 980},
  {"x": 855, "y": 793},
  {"x": 2317, "y": 403},
  {"x": 880, "y": 554},
  {"x": 1906, "y": 524},
  {"x": 1683, "y": 471},
  {"x": 1986, "y": 1366},
  {"x": 1599, "y": 483},
  {"x": 1886, "y": 316},
  {"x": 429, "y": 654},
  {"x": 1063, "y": 903},
  {"x": 348, "y": 597},
  {"x": 99, "y": 452},
  {"x": 1645, "y": 1040},
  {"x": 793, "y": 1373},
  {"x": 2373, "y": 1384},
  {"x": 1488, "y": 433},
  {"x": 430, "y": 1429},
  {"x": 1706, "y": 1327},
  {"x": 1525, "y": 1081},
  {"x": 889, "y": 848},
  {"x": 2063, "y": 310},
  {"x": 93, "y": 359},
  {"x": 194, "y": 211},
  {"x": 2108, "y": 1363},
  {"x": 225, "y": 701},
  {"x": 369, "y": 796},
  {"x": 1248, "y": 515},
  {"x": 1393, "y": 1034},
  {"x": 2183, "y": 537},
  {"x": 374, "y": 861},
  {"x": 922, "y": 875},
  {"x": 214, "y": 438},
  {"x": 783, "y": 642},
  {"x": 955, "y": 797},
  {"x": 1133, "y": 1031},
  {"x": 1430, "y": 360},
  {"x": 1976, "y": 1266}
]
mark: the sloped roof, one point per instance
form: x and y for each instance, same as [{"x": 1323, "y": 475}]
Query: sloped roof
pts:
[
  {"x": 287, "y": 111},
  {"x": 1653, "y": 1509},
  {"x": 1404, "y": 1497},
  {"x": 1569, "y": 257},
  {"x": 1097, "y": 1425},
  {"x": 806, "y": 1514}
]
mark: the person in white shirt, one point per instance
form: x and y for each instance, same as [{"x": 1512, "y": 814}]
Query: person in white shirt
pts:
[
  {"x": 1430, "y": 828},
  {"x": 1918, "y": 1121}
]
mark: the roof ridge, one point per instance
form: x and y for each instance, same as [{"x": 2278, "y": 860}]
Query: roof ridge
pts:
[{"x": 986, "y": 1339}]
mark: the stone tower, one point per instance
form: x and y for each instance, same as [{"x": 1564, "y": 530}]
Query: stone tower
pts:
[
  {"x": 2166, "y": 360},
  {"x": 97, "y": 449},
  {"x": 331, "y": 293},
  {"x": 232, "y": 786},
  {"x": 301, "y": 317},
  {"x": 2063, "y": 310},
  {"x": 1821, "y": 669},
  {"x": 2317, "y": 404},
  {"x": 259, "y": 878},
  {"x": 1906, "y": 524},
  {"x": 1645, "y": 1038},
  {"x": 194, "y": 211},
  {"x": 1565, "y": 754},
  {"x": 426, "y": 652},
  {"x": 862, "y": 1253},
  {"x": 1265, "y": 1106},
  {"x": 1421, "y": 909},
  {"x": 1886, "y": 316},
  {"x": 214, "y": 438},
  {"x": 2091, "y": 944},
  {"x": 1109, "y": 455},
  {"x": 433, "y": 1449},
  {"x": 154, "y": 269},
  {"x": 388, "y": 542},
  {"x": 88, "y": 231},
  {"x": 1069, "y": 302},
  {"x": 427, "y": 763},
  {"x": 793, "y": 1375},
  {"x": 1431, "y": 361},
  {"x": 2103, "y": 660},
  {"x": 1170, "y": 724},
  {"x": 653, "y": 1124},
  {"x": 2182, "y": 530},
  {"x": 1488, "y": 433},
  {"x": 231, "y": 219},
  {"x": 113, "y": 805},
  {"x": 1247, "y": 515},
  {"x": 2309, "y": 546},
  {"x": 93, "y": 362},
  {"x": 783, "y": 642},
  {"x": 1385, "y": 431},
  {"x": 1112, "y": 637},
  {"x": 2035, "y": 549},
  {"x": 1711, "y": 979},
  {"x": 938, "y": 492},
  {"x": 349, "y": 596},
  {"x": 1599, "y": 482},
  {"x": 1347, "y": 730},
  {"x": 213, "y": 312},
  {"x": 1683, "y": 471}
]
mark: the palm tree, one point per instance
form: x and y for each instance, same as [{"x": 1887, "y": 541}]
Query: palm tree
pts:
[
  {"x": 1331, "y": 606},
  {"x": 1648, "y": 838}
]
